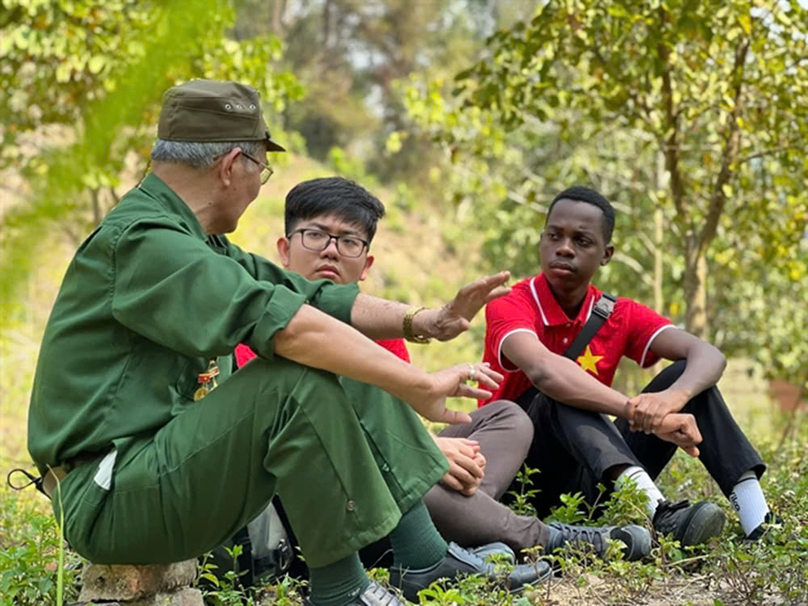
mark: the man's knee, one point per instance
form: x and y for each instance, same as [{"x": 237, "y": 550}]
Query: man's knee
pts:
[{"x": 508, "y": 416}]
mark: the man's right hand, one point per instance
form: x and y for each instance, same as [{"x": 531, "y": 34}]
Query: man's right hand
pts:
[
  {"x": 452, "y": 382},
  {"x": 466, "y": 464},
  {"x": 682, "y": 430}
]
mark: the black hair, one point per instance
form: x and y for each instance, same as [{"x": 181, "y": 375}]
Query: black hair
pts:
[
  {"x": 333, "y": 196},
  {"x": 580, "y": 193}
]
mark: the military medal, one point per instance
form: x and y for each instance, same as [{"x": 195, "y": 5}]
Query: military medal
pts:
[{"x": 207, "y": 380}]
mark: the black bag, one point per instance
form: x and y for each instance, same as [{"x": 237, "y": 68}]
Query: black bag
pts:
[{"x": 267, "y": 548}]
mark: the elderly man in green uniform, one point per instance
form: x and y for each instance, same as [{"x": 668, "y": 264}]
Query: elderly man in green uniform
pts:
[{"x": 149, "y": 461}]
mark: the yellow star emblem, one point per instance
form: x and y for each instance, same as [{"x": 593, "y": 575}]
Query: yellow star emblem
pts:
[{"x": 588, "y": 361}]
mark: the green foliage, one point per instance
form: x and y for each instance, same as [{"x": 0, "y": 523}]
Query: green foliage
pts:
[
  {"x": 523, "y": 496},
  {"x": 87, "y": 77},
  {"x": 691, "y": 117},
  {"x": 29, "y": 555}
]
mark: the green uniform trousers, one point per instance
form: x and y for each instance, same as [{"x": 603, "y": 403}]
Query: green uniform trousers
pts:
[{"x": 345, "y": 472}]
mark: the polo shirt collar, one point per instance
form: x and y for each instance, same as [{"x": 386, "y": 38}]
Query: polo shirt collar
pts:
[
  {"x": 550, "y": 311},
  {"x": 157, "y": 189}
]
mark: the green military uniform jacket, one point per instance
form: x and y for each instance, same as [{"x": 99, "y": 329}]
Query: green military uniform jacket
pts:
[{"x": 147, "y": 301}]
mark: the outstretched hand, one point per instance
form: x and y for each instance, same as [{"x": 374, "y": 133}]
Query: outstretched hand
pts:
[
  {"x": 452, "y": 381},
  {"x": 454, "y": 317}
]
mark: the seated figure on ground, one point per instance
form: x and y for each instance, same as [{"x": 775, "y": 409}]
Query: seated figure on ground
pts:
[
  {"x": 528, "y": 330},
  {"x": 152, "y": 453},
  {"x": 329, "y": 225}
]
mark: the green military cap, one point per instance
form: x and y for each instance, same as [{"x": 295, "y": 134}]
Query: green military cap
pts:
[{"x": 208, "y": 111}]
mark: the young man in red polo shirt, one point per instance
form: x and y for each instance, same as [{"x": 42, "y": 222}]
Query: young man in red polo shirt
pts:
[
  {"x": 529, "y": 330},
  {"x": 329, "y": 225}
]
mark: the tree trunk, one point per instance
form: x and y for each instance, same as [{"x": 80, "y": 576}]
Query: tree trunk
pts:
[
  {"x": 695, "y": 287},
  {"x": 659, "y": 232}
]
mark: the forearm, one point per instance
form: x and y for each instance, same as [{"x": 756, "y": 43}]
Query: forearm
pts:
[
  {"x": 563, "y": 380},
  {"x": 704, "y": 367},
  {"x": 315, "y": 339},
  {"x": 378, "y": 318}
]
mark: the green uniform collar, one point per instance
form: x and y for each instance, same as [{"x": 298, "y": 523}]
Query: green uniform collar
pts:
[{"x": 157, "y": 189}]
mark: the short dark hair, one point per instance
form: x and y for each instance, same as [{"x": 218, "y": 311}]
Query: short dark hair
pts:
[
  {"x": 580, "y": 193},
  {"x": 333, "y": 196}
]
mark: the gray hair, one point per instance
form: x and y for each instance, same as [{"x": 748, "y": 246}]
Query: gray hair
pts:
[{"x": 202, "y": 155}]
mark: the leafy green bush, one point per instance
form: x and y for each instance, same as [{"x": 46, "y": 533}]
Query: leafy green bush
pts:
[{"x": 29, "y": 555}]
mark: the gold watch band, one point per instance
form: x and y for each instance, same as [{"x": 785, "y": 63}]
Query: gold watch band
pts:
[{"x": 407, "y": 327}]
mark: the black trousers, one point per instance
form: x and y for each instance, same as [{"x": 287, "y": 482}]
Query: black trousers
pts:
[{"x": 573, "y": 448}]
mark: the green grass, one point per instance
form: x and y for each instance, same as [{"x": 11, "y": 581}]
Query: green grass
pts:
[{"x": 728, "y": 571}]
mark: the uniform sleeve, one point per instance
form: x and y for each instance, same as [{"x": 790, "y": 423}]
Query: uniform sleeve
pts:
[
  {"x": 503, "y": 317},
  {"x": 334, "y": 299},
  {"x": 643, "y": 324},
  {"x": 171, "y": 288}
]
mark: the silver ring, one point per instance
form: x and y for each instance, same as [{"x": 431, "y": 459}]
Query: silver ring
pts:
[{"x": 472, "y": 372}]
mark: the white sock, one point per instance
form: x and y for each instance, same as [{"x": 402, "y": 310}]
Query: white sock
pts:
[
  {"x": 644, "y": 483},
  {"x": 748, "y": 500}
]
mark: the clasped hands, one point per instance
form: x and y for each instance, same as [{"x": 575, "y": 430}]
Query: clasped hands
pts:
[
  {"x": 658, "y": 413},
  {"x": 466, "y": 464}
]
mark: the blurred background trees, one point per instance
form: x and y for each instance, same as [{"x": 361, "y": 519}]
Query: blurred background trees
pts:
[{"x": 690, "y": 117}]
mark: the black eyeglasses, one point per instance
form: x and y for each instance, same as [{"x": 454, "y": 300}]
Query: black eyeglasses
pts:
[
  {"x": 266, "y": 170},
  {"x": 317, "y": 240}
]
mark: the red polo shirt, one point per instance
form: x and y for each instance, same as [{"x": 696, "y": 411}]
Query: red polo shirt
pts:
[
  {"x": 397, "y": 346},
  {"x": 531, "y": 307}
]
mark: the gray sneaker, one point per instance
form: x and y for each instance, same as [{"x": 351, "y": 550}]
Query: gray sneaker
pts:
[
  {"x": 689, "y": 524},
  {"x": 637, "y": 539},
  {"x": 495, "y": 549},
  {"x": 459, "y": 561}
]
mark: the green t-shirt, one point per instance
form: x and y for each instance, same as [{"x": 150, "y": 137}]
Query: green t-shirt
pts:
[{"x": 146, "y": 302}]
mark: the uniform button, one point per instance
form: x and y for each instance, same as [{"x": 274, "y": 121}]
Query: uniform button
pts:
[
  {"x": 568, "y": 324},
  {"x": 351, "y": 505},
  {"x": 385, "y": 467},
  {"x": 566, "y": 340}
]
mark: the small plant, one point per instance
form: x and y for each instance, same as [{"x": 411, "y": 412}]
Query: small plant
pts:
[
  {"x": 226, "y": 589},
  {"x": 522, "y": 498},
  {"x": 30, "y": 545}
]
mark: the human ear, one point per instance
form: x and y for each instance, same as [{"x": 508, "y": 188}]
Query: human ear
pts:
[
  {"x": 368, "y": 262},
  {"x": 225, "y": 166},
  {"x": 283, "y": 250},
  {"x": 607, "y": 254}
]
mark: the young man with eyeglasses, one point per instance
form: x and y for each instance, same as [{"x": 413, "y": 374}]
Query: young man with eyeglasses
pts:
[
  {"x": 152, "y": 453},
  {"x": 330, "y": 223}
]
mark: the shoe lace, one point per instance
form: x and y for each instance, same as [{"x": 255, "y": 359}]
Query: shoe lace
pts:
[
  {"x": 666, "y": 518},
  {"x": 580, "y": 534}
]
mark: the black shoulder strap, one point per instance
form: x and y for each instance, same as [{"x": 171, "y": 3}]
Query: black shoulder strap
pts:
[
  {"x": 601, "y": 311},
  {"x": 603, "y": 308}
]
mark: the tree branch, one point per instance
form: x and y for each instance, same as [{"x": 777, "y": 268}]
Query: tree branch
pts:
[
  {"x": 671, "y": 145},
  {"x": 768, "y": 152},
  {"x": 732, "y": 147}
]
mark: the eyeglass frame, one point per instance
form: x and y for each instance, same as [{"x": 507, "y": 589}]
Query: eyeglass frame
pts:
[
  {"x": 365, "y": 243},
  {"x": 265, "y": 168}
]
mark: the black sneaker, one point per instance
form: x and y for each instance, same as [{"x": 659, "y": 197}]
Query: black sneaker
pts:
[
  {"x": 374, "y": 595},
  {"x": 689, "y": 524},
  {"x": 637, "y": 539},
  {"x": 769, "y": 520},
  {"x": 460, "y": 561}
]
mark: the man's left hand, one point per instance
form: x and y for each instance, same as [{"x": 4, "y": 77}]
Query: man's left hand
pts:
[
  {"x": 453, "y": 318},
  {"x": 650, "y": 408}
]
